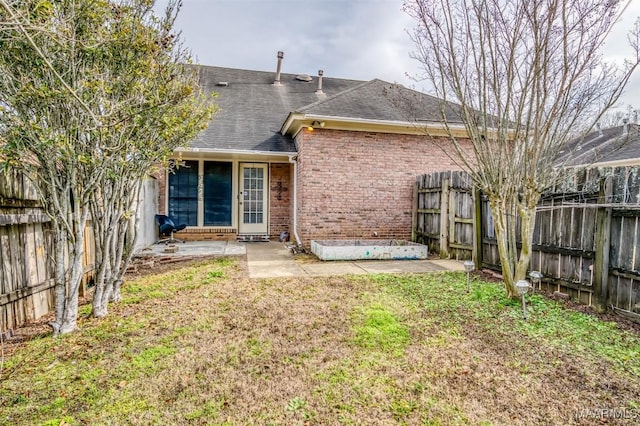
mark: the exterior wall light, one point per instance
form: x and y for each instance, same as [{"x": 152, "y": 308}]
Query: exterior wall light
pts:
[
  {"x": 468, "y": 267},
  {"x": 522, "y": 287},
  {"x": 315, "y": 124}
]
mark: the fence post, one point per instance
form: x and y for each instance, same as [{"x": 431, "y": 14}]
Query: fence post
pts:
[
  {"x": 414, "y": 213},
  {"x": 477, "y": 228},
  {"x": 444, "y": 219},
  {"x": 602, "y": 244}
]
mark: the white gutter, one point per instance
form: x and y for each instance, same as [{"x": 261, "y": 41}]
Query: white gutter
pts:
[
  {"x": 612, "y": 163},
  {"x": 294, "y": 160},
  {"x": 232, "y": 151},
  {"x": 391, "y": 123}
]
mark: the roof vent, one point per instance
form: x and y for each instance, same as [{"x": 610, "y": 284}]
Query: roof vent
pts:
[
  {"x": 278, "y": 69},
  {"x": 304, "y": 77},
  {"x": 222, "y": 83},
  {"x": 320, "y": 74}
]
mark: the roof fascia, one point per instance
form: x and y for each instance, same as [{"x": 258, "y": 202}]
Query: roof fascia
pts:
[
  {"x": 297, "y": 121},
  {"x": 613, "y": 163},
  {"x": 232, "y": 152}
]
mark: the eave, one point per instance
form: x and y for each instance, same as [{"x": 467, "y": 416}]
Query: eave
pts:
[
  {"x": 297, "y": 121},
  {"x": 245, "y": 155},
  {"x": 612, "y": 163}
]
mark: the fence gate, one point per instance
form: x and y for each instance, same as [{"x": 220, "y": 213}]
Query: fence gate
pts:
[{"x": 444, "y": 212}]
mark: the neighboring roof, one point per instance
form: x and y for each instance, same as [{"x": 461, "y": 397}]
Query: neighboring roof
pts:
[
  {"x": 252, "y": 109},
  {"x": 613, "y": 146}
]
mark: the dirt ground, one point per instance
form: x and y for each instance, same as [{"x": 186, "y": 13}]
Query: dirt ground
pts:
[{"x": 281, "y": 352}]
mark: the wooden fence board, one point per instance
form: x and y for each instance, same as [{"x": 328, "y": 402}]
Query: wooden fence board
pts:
[
  {"x": 590, "y": 252},
  {"x": 577, "y": 215},
  {"x": 627, "y": 242},
  {"x": 635, "y": 297},
  {"x": 616, "y": 235},
  {"x": 26, "y": 258}
]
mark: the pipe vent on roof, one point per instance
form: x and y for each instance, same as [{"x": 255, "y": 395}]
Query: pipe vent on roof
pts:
[
  {"x": 304, "y": 77},
  {"x": 320, "y": 74},
  {"x": 277, "y": 80}
]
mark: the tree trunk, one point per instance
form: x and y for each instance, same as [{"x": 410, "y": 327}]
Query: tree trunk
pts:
[
  {"x": 505, "y": 235},
  {"x": 60, "y": 247},
  {"x": 68, "y": 276},
  {"x": 527, "y": 223}
]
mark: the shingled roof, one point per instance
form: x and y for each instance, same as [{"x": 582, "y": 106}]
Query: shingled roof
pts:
[
  {"x": 606, "y": 146},
  {"x": 380, "y": 100},
  {"x": 252, "y": 109}
]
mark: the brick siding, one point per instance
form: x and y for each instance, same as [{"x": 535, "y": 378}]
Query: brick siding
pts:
[
  {"x": 279, "y": 199},
  {"x": 161, "y": 177},
  {"x": 355, "y": 185}
]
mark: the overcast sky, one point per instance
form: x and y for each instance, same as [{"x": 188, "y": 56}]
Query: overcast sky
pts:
[{"x": 358, "y": 39}]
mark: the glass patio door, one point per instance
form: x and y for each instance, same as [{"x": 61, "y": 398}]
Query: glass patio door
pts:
[{"x": 253, "y": 199}]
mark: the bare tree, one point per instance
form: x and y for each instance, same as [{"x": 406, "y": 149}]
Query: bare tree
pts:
[
  {"x": 528, "y": 77},
  {"x": 617, "y": 117}
]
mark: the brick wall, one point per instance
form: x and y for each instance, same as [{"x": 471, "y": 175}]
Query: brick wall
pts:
[
  {"x": 279, "y": 199},
  {"x": 354, "y": 185},
  {"x": 161, "y": 177}
]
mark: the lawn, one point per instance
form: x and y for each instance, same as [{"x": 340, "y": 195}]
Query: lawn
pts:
[{"x": 203, "y": 344}]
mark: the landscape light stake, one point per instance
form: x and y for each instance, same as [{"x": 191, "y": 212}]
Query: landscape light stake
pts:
[
  {"x": 522, "y": 287},
  {"x": 468, "y": 266},
  {"x": 536, "y": 278}
]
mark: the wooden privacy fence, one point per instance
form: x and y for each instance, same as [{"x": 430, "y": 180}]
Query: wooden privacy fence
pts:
[
  {"x": 26, "y": 276},
  {"x": 586, "y": 238},
  {"x": 444, "y": 214}
]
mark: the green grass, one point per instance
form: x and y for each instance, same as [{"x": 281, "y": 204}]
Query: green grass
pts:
[
  {"x": 201, "y": 345},
  {"x": 487, "y": 306},
  {"x": 380, "y": 329},
  {"x": 51, "y": 378}
]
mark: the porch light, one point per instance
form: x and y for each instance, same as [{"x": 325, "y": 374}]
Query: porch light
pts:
[
  {"x": 468, "y": 267},
  {"x": 536, "y": 277},
  {"x": 314, "y": 124},
  {"x": 522, "y": 287}
]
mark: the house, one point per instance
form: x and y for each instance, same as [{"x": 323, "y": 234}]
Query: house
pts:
[
  {"x": 612, "y": 147},
  {"x": 315, "y": 157}
]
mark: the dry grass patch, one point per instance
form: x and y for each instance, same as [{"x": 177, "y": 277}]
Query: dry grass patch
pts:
[{"x": 206, "y": 345}]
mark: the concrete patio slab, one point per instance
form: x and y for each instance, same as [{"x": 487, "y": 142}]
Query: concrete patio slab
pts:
[
  {"x": 400, "y": 266},
  {"x": 273, "y": 259},
  {"x": 196, "y": 248},
  {"x": 449, "y": 264},
  {"x": 326, "y": 269}
]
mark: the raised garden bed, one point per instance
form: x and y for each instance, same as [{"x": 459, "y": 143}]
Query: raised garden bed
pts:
[{"x": 368, "y": 249}]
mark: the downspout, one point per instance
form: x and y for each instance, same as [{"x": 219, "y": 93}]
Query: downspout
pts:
[{"x": 293, "y": 159}]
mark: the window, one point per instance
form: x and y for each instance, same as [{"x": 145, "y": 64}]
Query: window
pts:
[
  {"x": 183, "y": 193},
  {"x": 215, "y": 204},
  {"x": 217, "y": 193}
]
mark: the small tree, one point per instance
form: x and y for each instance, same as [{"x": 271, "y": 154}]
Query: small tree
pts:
[
  {"x": 528, "y": 77},
  {"x": 94, "y": 92}
]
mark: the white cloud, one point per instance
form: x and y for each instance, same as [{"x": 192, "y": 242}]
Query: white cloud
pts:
[{"x": 359, "y": 39}]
